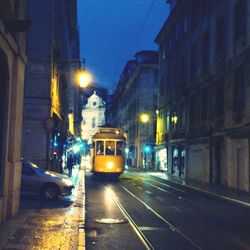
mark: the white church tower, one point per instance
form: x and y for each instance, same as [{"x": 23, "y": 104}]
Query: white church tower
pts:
[{"x": 93, "y": 116}]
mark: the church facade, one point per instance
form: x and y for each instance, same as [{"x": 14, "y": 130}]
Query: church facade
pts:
[{"x": 93, "y": 116}]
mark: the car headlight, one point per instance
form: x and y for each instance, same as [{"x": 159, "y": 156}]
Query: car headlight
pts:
[{"x": 67, "y": 182}]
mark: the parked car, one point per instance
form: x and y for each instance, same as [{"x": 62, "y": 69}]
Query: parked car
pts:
[{"x": 47, "y": 184}]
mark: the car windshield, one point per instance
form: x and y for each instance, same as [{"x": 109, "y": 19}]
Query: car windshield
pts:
[{"x": 40, "y": 170}]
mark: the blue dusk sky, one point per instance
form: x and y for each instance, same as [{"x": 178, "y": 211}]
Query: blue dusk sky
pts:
[{"x": 112, "y": 31}]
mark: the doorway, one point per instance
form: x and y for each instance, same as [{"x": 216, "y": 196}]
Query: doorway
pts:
[{"x": 4, "y": 78}]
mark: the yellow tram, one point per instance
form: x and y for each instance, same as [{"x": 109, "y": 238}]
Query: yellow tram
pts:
[{"x": 108, "y": 151}]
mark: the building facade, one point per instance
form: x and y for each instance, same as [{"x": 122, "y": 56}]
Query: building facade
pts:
[
  {"x": 93, "y": 117},
  {"x": 51, "y": 111},
  {"x": 136, "y": 94},
  {"x": 204, "y": 97},
  {"x": 13, "y": 27}
]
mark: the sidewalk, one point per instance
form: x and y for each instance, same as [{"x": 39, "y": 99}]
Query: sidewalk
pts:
[
  {"x": 231, "y": 195},
  {"x": 48, "y": 224}
]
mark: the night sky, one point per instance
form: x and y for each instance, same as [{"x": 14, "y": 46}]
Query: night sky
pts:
[{"x": 112, "y": 31}]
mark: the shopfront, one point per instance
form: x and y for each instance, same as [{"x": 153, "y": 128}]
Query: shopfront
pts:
[
  {"x": 178, "y": 160},
  {"x": 161, "y": 159}
]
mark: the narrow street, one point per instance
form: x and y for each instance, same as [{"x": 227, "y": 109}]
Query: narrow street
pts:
[
  {"x": 161, "y": 215},
  {"x": 156, "y": 94}
]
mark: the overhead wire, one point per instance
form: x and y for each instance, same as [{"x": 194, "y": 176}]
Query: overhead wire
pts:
[{"x": 146, "y": 18}]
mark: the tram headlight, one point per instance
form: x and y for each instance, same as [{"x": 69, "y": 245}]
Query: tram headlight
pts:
[{"x": 110, "y": 164}]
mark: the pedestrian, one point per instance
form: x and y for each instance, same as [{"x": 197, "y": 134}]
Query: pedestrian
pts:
[{"x": 70, "y": 163}]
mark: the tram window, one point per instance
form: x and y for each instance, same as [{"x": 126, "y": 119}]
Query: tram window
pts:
[
  {"x": 119, "y": 148},
  {"x": 110, "y": 148},
  {"x": 99, "y": 148}
]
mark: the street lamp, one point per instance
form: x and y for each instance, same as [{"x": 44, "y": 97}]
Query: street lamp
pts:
[
  {"x": 83, "y": 78},
  {"x": 174, "y": 120},
  {"x": 144, "y": 118}
]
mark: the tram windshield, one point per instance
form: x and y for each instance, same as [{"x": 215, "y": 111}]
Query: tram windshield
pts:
[
  {"x": 108, "y": 147},
  {"x": 100, "y": 148},
  {"x": 119, "y": 148}
]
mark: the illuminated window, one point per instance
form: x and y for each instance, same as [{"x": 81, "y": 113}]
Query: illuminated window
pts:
[
  {"x": 110, "y": 148},
  {"x": 175, "y": 153}
]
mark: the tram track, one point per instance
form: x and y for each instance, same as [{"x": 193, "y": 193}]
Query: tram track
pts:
[
  {"x": 158, "y": 220},
  {"x": 138, "y": 230},
  {"x": 161, "y": 183},
  {"x": 169, "y": 189}
]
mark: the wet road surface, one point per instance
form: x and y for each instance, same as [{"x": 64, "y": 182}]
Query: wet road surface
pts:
[{"x": 161, "y": 215}]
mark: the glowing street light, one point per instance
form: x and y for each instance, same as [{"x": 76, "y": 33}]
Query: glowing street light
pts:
[
  {"x": 174, "y": 120},
  {"x": 144, "y": 118},
  {"x": 84, "y": 78}
]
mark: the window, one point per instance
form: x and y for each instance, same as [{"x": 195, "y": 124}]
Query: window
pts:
[
  {"x": 183, "y": 68},
  {"x": 99, "y": 148},
  {"x": 119, "y": 148},
  {"x": 185, "y": 25},
  {"x": 94, "y": 103},
  {"x": 177, "y": 32},
  {"x": 193, "y": 60},
  {"x": 110, "y": 148},
  {"x": 205, "y": 49},
  {"x": 182, "y": 112},
  {"x": 240, "y": 19},
  {"x": 163, "y": 51},
  {"x": 204, "y": 104},
  {"x": 239, "y": 89},
  {"x": 219, "y": 99},
  {"x": 93, "y": 122},
  {"x": 220, "y": 35},
  {"x": 205, "y": 7},
  {"x": 195, "y": 13},
  {"x": 192, "y": 109}
]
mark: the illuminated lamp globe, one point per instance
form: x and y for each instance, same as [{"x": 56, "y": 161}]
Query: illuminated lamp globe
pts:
[
  {"x": 144, "y": 118},
  {"x": 84, "y": 78}
]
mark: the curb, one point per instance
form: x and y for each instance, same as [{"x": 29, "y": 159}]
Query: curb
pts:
[{"x": 80, "y": 205}]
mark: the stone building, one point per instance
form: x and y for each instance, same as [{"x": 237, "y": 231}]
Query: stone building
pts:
[
  {"x": 93, "y": 116},
  {"x": 136, "y": 94},
  {"x": 13, "y": 27},
  {"x": 204, "y": 97},
  {"x": 51, "y": 111}
]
